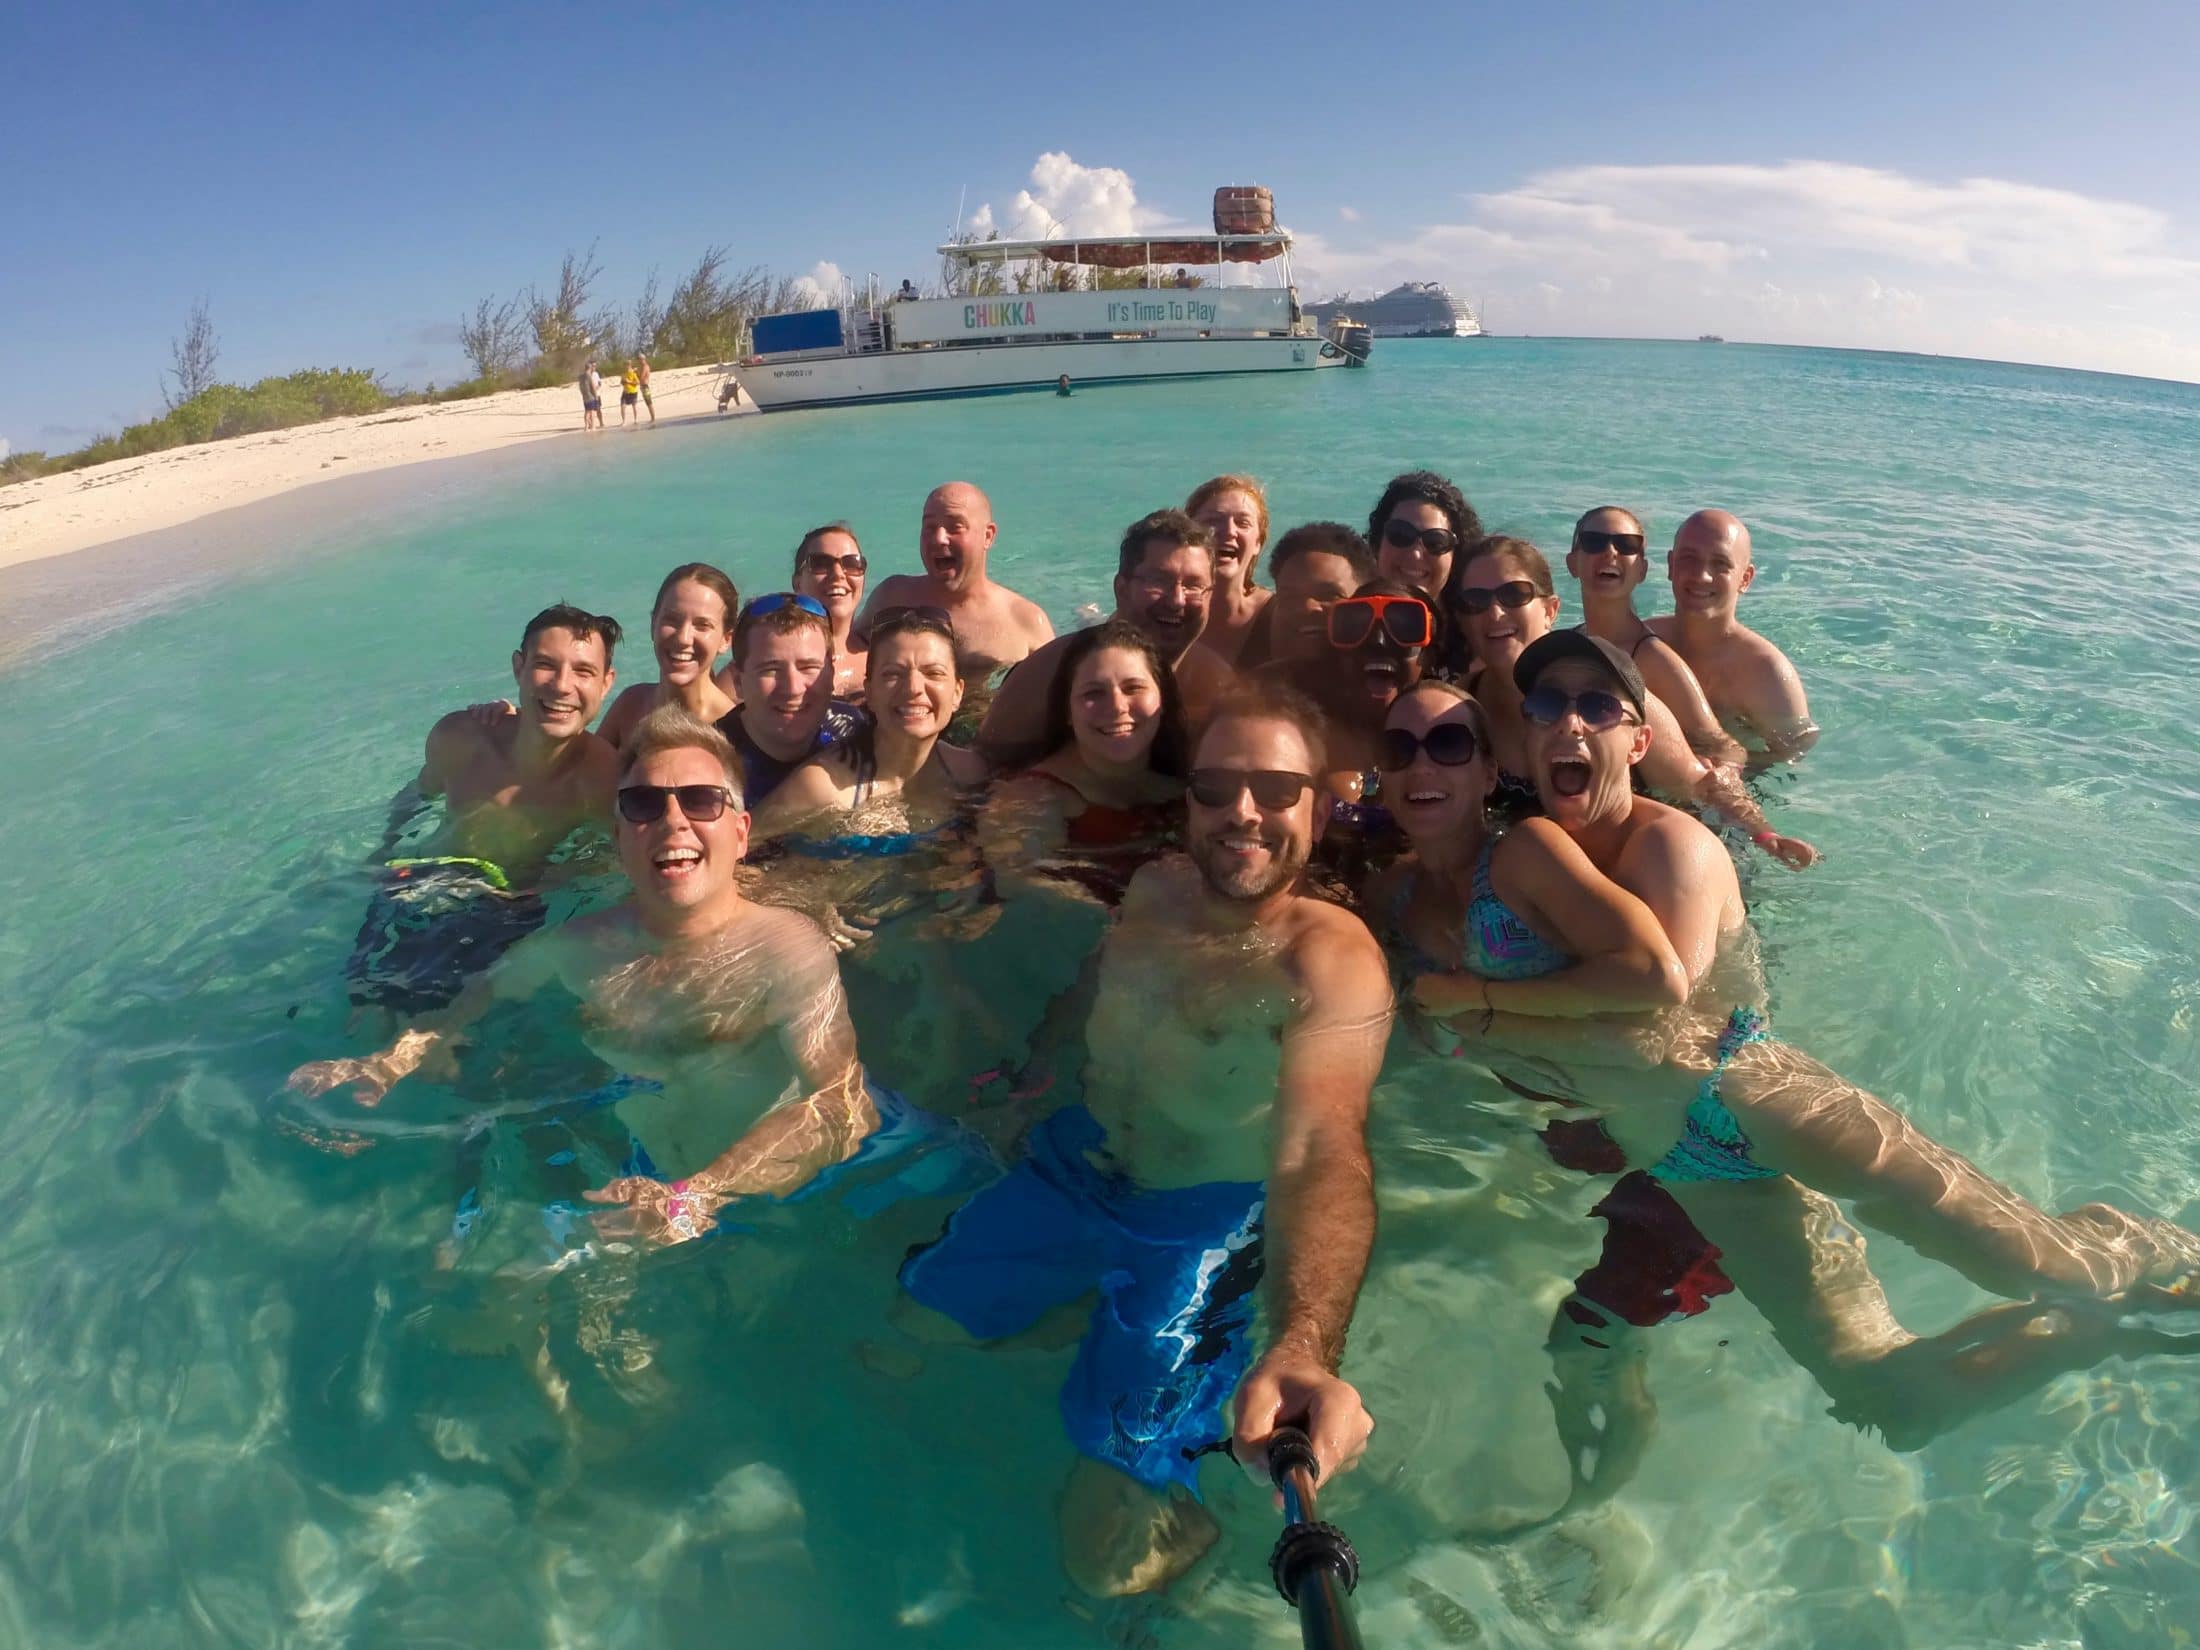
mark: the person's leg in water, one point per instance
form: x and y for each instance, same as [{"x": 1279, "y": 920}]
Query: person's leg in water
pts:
[
  {"x": 1803, "y": 1266},
  {"x": 1804, "y": 1121}
]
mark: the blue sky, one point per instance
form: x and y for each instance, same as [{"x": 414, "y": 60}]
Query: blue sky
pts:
[{"x": 341, "y": 184}]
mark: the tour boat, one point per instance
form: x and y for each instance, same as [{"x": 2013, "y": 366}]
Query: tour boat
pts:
[{"x": 1026, "y": 314}]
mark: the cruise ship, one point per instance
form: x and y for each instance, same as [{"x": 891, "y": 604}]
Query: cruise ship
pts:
[{"x": 1417, "y": 309}]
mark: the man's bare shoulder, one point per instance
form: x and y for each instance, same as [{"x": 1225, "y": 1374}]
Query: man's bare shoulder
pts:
[
  {"x": 792, "y": 935},
  {"x": 1203, "y": 673},
  {"x": 897, "y": 587},
  {"x": 1029, "y": 617},
  {"x": 1670, "y": 837},
  {"x": 1666, "y": 627},
  {"x": 1160, "y": 889},
  {"x": 461, "y": 733}
]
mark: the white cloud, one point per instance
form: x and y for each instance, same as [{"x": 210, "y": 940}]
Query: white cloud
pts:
[
  {"x": 1814, "y": 252},
  {"x": 1066, "y": 198},
  {"x": 1350, "y": 214},
  {"x": 821, "y": 287}
]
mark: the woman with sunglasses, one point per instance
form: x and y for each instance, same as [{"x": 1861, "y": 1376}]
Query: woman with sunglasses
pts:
[
  {"x": 1609, "y": 556},
  {"x": 689, "y": 626},
  {"x": 1754, "y": 1139},
  {"x": 1109, "y": 795},
  {"x": 829, "y": 567},
  {"x": 1235, "y": 510},
  {"x": 897, "y": 765},
  {"x": 1501, "y": 596},
  {"x": 1418, "y": 527}
]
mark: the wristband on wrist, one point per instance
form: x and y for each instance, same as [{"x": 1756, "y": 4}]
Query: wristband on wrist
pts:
[{"x": 1765, "y": 838}]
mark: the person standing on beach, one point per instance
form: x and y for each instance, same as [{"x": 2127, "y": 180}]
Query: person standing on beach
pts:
[
  {"x": 641, "y": 376},
  {"x": 993, "y": 625},
  {"x": 591, "y": 398},
  {"x": 1755, "y": 690},
  {"x": 630, "y": 396}
]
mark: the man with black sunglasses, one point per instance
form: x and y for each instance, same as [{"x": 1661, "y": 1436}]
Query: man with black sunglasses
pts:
[
  {"x": 1165, "y": 577},
  {"x": 1235, "y": 1032},
  {"x": 722, "y": 996},
  {"x": 1751, "y": 684}
]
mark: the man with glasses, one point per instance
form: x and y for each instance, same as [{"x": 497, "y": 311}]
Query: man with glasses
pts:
[
  {"x": 993, "y": 625},
  {"x": 1165, "y": 577},
  {"x": 1608, "y": 556},
  {"x": 783, "y": 678},
  {"x": 1749, "y": 681},
  {"x": 1236, "y": 1029},
  {"x": 725, "y": 998}
]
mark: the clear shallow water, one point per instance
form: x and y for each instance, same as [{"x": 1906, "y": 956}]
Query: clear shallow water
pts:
[{"x": 250, "y": 1392}]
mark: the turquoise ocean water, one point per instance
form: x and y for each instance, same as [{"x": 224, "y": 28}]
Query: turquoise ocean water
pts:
[{"x": 254, "y": 1389}]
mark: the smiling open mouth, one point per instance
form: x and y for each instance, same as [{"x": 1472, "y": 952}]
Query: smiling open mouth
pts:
[
  {"x": 677, "y": 862},
  {"x": 1570, "y": 776}
]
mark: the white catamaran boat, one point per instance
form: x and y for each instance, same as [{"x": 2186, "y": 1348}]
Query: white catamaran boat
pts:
[{"x": 910, "y": 348}]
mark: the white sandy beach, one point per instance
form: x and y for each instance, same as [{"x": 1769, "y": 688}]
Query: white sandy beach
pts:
[{"x": 59, "y": 514}]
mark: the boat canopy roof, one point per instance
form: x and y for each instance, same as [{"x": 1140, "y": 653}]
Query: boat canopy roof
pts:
[{"x": 1127, "y": 251}]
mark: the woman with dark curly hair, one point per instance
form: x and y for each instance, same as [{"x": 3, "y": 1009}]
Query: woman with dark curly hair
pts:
[{"x": 1417, "y": 526}]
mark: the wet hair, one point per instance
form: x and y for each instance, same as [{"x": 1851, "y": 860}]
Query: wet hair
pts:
[
  {"x": 1168, "y": 752},
  {"x": 1497, "y": 544},
  {"x": 565, "y": 616},
  {"x": 816, "y": 533},
  {"x": 1438, "y": 632},
  {"x": 1322, "y": 538},
  {"x": 673, "y": 727},
  {"x": 1425, "y": 487},
  {"x": 709, "y": 577},
  {"x": 783, "y": 620},
  {"x": 1172, "y": 527},
  {"x": 1264, "y": 699},
  {"x": 1208, "y": 491},
  {"x": 1478, "y": 719},
  {"x": 911, "y": 621},
  {"x": 1605, "y": 510}
]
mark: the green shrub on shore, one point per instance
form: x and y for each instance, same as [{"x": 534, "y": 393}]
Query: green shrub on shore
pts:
[{"x": 219, "y": 412}]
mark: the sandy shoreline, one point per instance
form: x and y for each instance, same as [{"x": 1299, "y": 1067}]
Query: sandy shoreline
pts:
[{"x": 60, "y": 515}]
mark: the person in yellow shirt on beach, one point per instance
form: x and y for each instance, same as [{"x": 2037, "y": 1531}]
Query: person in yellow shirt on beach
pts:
[{"x": 630, "y": 395}]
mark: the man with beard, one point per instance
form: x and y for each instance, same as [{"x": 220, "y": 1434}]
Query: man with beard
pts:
[
  {"x": 1235, "y": 1031},
  {"x": 993, "y": 625},
  {"x": 712, "y": 999},
  {"x": 1165, "y": 577}
]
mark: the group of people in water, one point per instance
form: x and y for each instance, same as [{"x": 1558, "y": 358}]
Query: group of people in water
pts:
[{"x": 1383, "y": 780}]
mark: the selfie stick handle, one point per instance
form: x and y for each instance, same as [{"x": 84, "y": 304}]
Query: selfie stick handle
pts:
[{"x": 1313, "y": 1566}]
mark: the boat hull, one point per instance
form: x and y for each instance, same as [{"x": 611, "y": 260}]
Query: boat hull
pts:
[{"x": 926, "y": 374}]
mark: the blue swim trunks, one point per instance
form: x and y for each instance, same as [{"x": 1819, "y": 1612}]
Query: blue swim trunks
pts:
[
  {"x": 1175, "y": 1270},
  {"x": 431, "y": 926}
]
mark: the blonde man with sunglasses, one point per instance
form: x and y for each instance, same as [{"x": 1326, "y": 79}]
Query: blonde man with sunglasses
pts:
[{"x": 718, "y": 1000}]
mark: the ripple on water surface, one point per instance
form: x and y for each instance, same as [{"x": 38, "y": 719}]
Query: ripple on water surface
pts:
[{"x": 256, "y": 1386}]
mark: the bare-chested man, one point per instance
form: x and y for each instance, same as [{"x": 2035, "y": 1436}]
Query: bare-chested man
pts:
[
  {"x": 993, "y": 625},
  {"x": 1236, "y": 1029},
  {"x": 1756, "y": 692},
  {"x": 1165, "y": 578},
  {"x": 718, "y": 999},
  {"x": 514, "y": 785}
]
